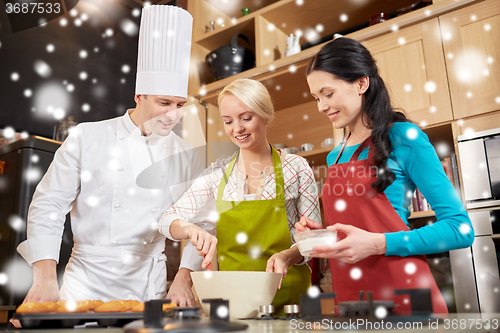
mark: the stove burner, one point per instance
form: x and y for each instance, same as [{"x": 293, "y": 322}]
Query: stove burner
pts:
[
  {"x": 420, "y": 299},
  {"x": 291, "y": 311},
  {"x": 363, "y": 308},
  {"x": 265, "y": 312},
  {"x": 185, "y": 319},
  {"x": 183, "y": 313}
]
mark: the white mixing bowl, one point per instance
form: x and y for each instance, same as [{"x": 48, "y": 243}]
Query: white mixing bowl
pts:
[{"x": 245, "y": 290}]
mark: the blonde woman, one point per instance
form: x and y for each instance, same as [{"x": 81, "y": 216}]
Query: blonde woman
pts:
[{"x": 260, "y": 194}]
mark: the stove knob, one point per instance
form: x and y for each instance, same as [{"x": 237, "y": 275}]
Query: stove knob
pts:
[
  {"x": 291, "y": 309},
  {"x": 266, "y": 309}
]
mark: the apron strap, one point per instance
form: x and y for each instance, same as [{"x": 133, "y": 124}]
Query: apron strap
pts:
[
  {"x": 152, "y": 278},
  {"x": 278, "y": 176},
  {"x": 361, "y": 147},
  {"x": 225, "y": 177}
]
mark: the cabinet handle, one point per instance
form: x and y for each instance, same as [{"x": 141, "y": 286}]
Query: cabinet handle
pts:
[{"x": 2, "y": 166}]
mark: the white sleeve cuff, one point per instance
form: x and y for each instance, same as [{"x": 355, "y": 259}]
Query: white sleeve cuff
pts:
[
  {"x": 190, "y": 258},
  {"x": 305, "y": 260},
  {"x": 164, "y": 225},
  {"x": 40, "y": 248}
]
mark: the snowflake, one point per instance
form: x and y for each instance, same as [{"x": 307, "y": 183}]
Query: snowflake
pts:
[
  {"x": 465, "y": 229},
  {"x": 255, "y": 252},
  {"x": 3, "y": 278},
  {"x": 92, "y": 201},
  {"x": 129, "y": 27},
  {"x": 381, "y": 312},
  {"x": 17, "y": 223},
  {"x": 340, "y": 205},
  {"x": 412, "y": 133},
  {"x": 356, "y": 273},
  {"x": 241, "y": 238},
  {"x": 410, "y": 268},
  {"x": 313, "y": 291}
]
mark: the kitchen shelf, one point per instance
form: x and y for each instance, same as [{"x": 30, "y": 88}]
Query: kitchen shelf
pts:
[
  {"x": 276, "y": 77},
  {"x": 417, "y": 215},
  {"x": 289, "y": 17},
  {"x": 316, "y": 156},
  {"x": 222, "y": 36},
  {"x": 233, "y": 8},
  {"x": 284, "y": 77}
]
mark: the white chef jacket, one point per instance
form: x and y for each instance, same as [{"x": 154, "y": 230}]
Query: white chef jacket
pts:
[{"x": 116, "y": 183}]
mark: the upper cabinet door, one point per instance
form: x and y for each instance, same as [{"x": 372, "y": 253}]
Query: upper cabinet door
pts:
[
  {"x": 471, "y": 41},
  {"x": 411, "y": 63}
]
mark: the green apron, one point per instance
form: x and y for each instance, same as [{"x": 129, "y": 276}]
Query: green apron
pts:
[{"x": 265, "y": 225}]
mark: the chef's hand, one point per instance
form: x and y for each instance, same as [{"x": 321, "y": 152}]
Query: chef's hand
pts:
[
  {"x": 357, "y": 245},
  {"x": 45, "y": 287},
  {"x": 180, "y": 291},
  {"x": 279, "y": 262},
  {"x": 202, "y": 240},
  {"x": 306, "y": 224}
]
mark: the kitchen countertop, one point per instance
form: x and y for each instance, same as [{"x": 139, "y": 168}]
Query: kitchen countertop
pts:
[{"x": 451, "y": 323}]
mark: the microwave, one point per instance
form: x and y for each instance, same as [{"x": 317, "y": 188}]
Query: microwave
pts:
[{"x": 479, "y": 155}]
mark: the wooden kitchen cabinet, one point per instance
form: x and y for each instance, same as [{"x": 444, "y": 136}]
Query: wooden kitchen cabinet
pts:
[
  {"x": 471, "y": 44},
  {"x": 411, "y": 62}
]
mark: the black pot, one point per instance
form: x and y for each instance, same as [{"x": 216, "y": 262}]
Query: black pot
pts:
[{"x": 231, "y": 59}]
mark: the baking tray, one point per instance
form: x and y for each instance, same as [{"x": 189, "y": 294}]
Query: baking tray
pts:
[{"x": 64, "y": 320}]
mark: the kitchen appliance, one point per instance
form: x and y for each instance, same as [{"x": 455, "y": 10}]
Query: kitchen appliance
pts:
[
  {"x": 480, "y": 164},
  {"x": 476, "y": 268},
  {"x": 23, "y": 162}
]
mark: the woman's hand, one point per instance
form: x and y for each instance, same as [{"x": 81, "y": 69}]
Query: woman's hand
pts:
[
  {"x": 279, "y": 262},
  {"x": 306, "y": 224},
  {"x": 202, "y": 240},
  {"x": 357, "y": 245}
]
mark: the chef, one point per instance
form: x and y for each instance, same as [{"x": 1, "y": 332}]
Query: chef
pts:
[{"x": 116, "y": 177}]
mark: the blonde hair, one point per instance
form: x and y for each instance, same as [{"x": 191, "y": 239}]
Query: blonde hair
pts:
[{"x": 254, "y": 94}]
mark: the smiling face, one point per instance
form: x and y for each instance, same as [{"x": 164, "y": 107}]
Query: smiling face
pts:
[
  {"x": 157, "y": 114},
  {"x": 244, "y": 127},
  {"x": 339, "y": 100}
]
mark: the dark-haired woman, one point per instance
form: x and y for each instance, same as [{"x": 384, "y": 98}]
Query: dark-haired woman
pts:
[{"x": 371, "y": 178}]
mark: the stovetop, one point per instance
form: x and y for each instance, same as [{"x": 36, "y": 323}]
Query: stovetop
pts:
[{"x": 362, "y": 314}]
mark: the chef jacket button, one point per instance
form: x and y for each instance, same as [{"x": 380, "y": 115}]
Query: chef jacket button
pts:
[
  {"x": 153, "y": 210},
  {"x": 145, "y": 243},
  {"x": 164, "y": 146},
  {"x": 118, "y": 206},
  {"x": 121, "y": 137},
  {"x": 120, "y": 169},
  {"x": 114, "y": 242},
  {"x": 162, "y": 175}
]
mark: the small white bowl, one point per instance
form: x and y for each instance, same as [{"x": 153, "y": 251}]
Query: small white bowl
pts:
[{"x": 306, "y": 240}]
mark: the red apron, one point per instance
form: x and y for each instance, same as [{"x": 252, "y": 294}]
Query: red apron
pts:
[{"x": 349, "y": 198}]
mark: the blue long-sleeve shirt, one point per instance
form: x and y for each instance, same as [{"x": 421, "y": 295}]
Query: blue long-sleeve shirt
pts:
[{"x": 416, "y": 164}]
